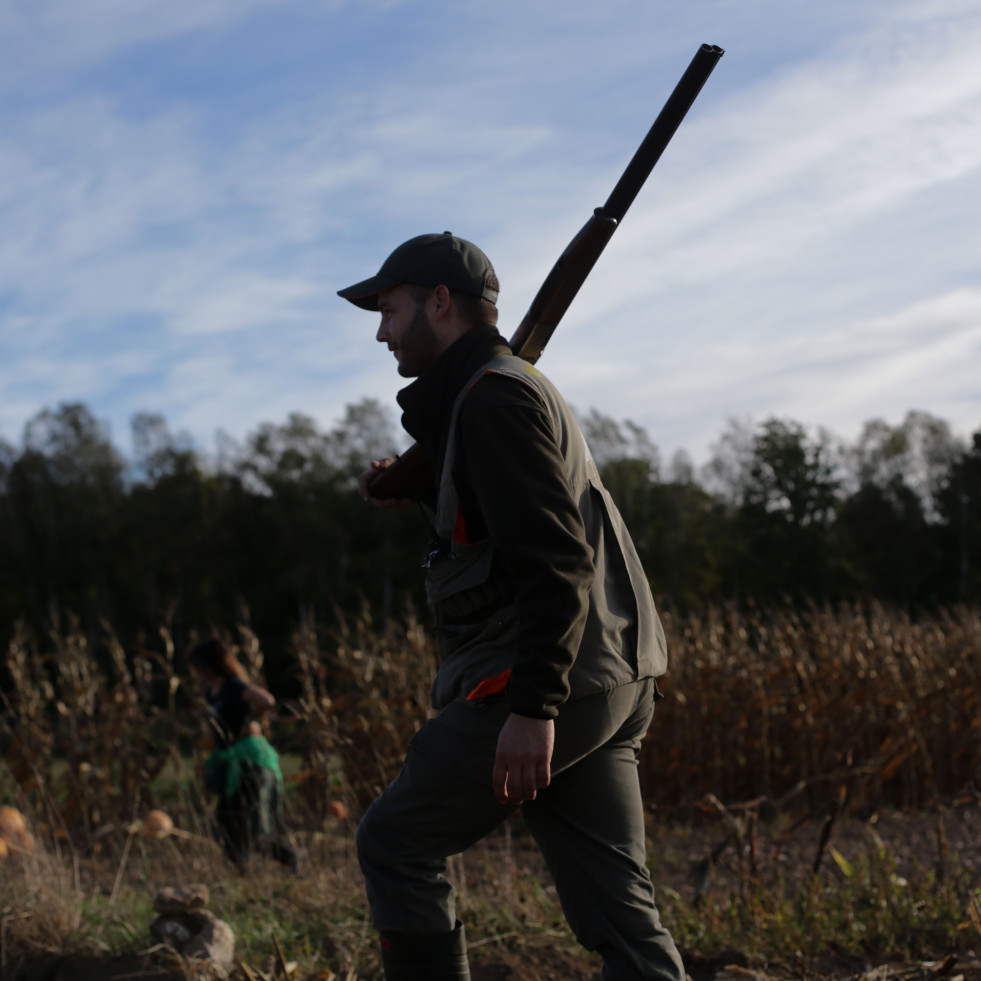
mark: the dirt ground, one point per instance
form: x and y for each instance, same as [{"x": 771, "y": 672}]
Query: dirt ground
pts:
[
  {"x": 545, "y": 965},
  {"x": 943, "y": 839},
  {"x": 940, "y": 841}
]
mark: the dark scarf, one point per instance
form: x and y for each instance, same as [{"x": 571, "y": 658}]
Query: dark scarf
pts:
[{"x": 426, "y": 403}]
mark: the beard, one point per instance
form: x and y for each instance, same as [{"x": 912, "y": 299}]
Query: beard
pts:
[{"x": 418, "y": 347}]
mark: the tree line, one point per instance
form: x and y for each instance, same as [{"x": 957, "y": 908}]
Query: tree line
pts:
[{"x": 270, "y": 531}]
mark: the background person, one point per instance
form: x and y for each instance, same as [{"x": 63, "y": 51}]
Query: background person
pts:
[
  {"x": 549, "y": 640},
  {"x": 243, "y": 768}
]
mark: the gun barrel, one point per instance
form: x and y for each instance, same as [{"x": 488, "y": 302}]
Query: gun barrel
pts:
[
  {"x": 664, "y": 127},
  {"x": 409, "y": 475},
  {"x": 574, "y": 265}
]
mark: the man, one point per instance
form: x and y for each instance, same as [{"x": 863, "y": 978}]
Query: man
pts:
[{"x": 548, "y": 637}]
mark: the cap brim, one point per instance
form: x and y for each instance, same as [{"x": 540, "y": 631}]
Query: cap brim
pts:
[{"x": 365, "y": 294}]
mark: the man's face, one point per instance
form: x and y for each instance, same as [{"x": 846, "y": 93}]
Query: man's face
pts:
[{"x": 406, "y": 329}]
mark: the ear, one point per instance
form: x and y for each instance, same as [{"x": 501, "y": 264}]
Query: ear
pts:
[
  {"x": 444, "y": 317},
  {"x": 439, "y": 303}
]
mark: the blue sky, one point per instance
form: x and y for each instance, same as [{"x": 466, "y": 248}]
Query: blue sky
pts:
[{"x": 185, "y": 185}]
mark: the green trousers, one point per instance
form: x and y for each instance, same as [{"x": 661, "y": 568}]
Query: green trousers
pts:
[{"x": 589, "y": 825}]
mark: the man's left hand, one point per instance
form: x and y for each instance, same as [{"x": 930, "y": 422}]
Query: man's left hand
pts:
[{"x": 524, "y": 757}]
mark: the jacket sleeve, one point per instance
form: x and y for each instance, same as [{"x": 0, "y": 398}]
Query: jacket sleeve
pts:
[{"x": 512, "y": 488}]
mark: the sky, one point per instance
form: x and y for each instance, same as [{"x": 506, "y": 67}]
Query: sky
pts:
[{"x": 184, "y": 186}]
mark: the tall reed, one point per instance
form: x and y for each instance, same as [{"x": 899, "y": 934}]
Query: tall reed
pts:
[{"x": 802, "y": 706}]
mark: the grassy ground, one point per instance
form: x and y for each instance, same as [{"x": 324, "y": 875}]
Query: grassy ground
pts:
[
  {"x": 900, "y": 889},
  {"x": 837, "y": 730}
]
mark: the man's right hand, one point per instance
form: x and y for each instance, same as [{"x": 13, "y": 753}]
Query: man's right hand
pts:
[
  {"x": 523, "y": 764},
  {"x": 380, "y": 502}
]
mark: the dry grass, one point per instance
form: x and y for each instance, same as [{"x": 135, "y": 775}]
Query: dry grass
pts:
[
  {"x": 780, "y": 732},
  {"x": 797, "y": 707},
  {"x": 897, "y": 889},
  {"x": 805, "y": 707}
]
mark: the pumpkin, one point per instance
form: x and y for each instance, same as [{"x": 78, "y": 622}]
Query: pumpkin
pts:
[
  {"x": 157, "y": 823},
  {"x": 11, "y": 821}
]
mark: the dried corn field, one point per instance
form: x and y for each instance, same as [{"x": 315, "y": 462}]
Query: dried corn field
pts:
[
  {"x": 805, "y": 709},
  {"x": 809, "y": 709},
  {"x": 820, "y": 718}
]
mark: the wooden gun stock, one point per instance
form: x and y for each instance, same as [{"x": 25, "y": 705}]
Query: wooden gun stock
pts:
[{"x": 409, "y": 476}]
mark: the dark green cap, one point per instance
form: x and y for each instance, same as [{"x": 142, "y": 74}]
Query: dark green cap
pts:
[{"x": 430, "y": 260}]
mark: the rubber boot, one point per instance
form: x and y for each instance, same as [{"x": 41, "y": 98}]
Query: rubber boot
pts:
[{"x": 425, "y": 956}]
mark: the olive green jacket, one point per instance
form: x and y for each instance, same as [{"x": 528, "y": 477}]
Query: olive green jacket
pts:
[{"x": 612, "y": 632}]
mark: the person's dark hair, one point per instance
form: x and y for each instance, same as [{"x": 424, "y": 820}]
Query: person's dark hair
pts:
[
  {"x": 473, "y": 309},
  {"x": 214, "y": 656}
]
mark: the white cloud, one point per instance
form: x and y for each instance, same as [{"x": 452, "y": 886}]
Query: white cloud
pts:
[
  {"x": 179, "y": 250},
  {"x": 239, "y": 302},
  {"x": 46, "y": 36}
]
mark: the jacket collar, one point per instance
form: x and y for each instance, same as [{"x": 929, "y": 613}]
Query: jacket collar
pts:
[{"x": 426, "y": 402}]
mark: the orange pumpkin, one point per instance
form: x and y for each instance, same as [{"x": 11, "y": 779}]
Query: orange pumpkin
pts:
[
  {"x": 157, "y": 823},
  {"x": 11, "y": 821}
]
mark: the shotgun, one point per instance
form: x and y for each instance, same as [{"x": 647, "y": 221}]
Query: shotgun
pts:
[{"x": 409, "y": 476}]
